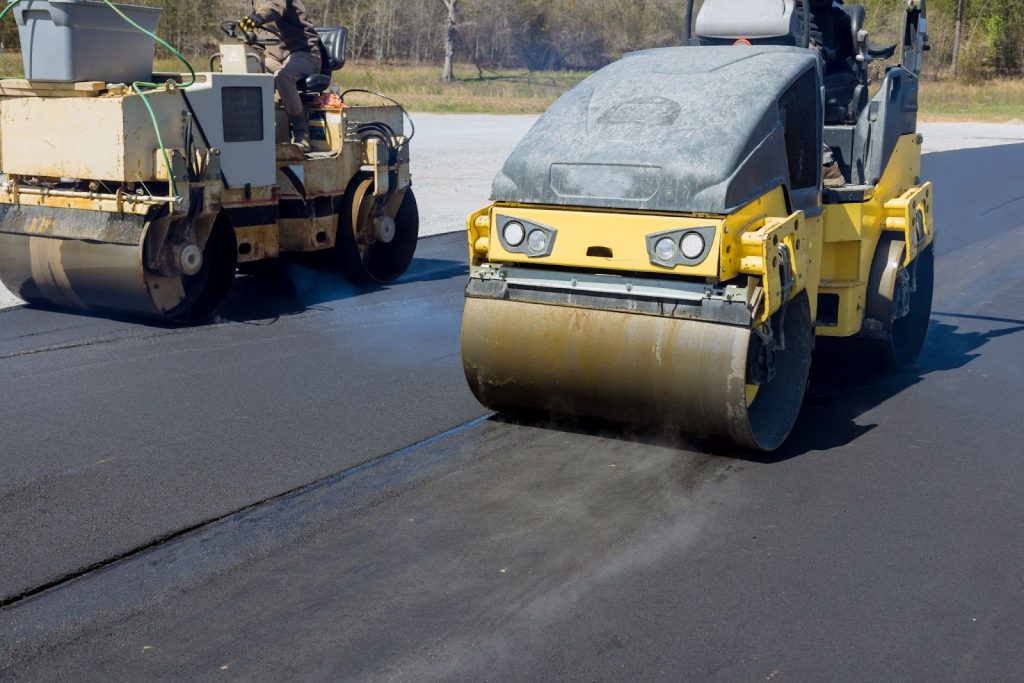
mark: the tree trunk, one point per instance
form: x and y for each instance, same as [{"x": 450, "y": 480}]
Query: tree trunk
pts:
[
  {"x": 451, "y": 35},
  {"x": 957, "y": 35}
]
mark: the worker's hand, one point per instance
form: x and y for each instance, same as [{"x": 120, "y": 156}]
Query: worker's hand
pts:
[{"x": 249, "y": 24}]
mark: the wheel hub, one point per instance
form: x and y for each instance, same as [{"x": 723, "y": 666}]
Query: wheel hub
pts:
[
  {"x": 190, "y": 259},
  {"x": 386, "y": 229}
]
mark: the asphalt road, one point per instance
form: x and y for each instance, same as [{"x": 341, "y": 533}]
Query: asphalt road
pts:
[{"x": 307, "y": 489}]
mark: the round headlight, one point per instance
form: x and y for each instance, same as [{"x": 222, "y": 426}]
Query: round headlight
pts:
[
  {"x": 514, "y": 233},
  {"x": 666, "y": 250},
  {"x": 692, "y": 245},
  {"x": 538, "y": 241}
]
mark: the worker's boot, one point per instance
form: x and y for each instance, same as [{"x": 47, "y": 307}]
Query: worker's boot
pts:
[
  {"x": 833, "y": 175},
  {"x": 300, "y": 132}
]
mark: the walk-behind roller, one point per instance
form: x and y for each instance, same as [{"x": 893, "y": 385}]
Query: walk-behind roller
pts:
[
  {"x": 661, "y": 250},
  {"x": 144, "y": 199}
]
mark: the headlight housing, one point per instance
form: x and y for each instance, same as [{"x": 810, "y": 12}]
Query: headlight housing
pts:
[
  {"x": 681, "y": 247},
  {"x": 519, "y": 236}
]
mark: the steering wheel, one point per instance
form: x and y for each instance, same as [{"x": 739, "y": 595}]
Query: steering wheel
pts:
[{"x": 233, "y": 30}]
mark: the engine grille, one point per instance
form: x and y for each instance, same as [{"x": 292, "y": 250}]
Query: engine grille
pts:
[
  {"x": 799, "y": 109},
  {"x": 243, "y": 114}
]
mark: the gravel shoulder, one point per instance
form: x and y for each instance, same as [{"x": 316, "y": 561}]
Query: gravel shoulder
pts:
[{"x": 455, "y": 157}]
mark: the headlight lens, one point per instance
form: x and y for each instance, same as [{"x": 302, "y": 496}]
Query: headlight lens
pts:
[
  {"x": 514, "y": 233},
  {"x": 665, "y": 249},
  {"x": 692, "y": 245},
  {"x": 538, "y": 241}
]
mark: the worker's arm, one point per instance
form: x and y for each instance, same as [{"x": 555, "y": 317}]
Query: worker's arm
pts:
[
  {"x": 265, "y": 13},
  {"x": 270, "y": 10}
]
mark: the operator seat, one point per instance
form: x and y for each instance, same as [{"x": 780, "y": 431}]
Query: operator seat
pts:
[
  {"x": 780, "y": 22},
  {"x": 834, "y": 29},
  {"x": 333, "y": 42},
  {"x": 724, "y": 22}
]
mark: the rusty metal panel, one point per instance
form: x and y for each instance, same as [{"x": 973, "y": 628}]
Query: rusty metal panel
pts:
[{"x": 95, "y": 226}]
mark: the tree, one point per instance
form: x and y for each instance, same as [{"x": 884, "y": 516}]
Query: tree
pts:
[
  {"x": 958, "y": 33},
  {"x": 451, "y": 35}
]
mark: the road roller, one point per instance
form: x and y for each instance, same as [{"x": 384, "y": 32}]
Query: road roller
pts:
[
  {"x": 138, "y": 194},
  {"x": 660, "y": 249}
]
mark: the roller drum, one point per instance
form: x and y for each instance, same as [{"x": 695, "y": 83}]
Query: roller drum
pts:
[
  {"x": 97, "y": 276},
  {"x": 685, "y": 375}
]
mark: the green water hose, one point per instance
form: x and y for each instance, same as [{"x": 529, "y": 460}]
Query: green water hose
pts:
[{"x": 142, "y": 87}]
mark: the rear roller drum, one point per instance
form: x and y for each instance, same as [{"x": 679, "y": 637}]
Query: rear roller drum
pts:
[
  {"x": 376, "y": 235},
  {"x": 694, "y": 377},
  {"x": 900, "y": 298}
]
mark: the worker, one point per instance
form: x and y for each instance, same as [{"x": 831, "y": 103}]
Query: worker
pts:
[
  {"x": 827, "y": 19},
  {"x": 292, "y": 55}
]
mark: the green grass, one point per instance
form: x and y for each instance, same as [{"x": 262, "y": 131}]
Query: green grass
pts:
[
  {"x": 420, "y": 89},
  {"x": 502, "y": 92},
  {"x": 1000, "y": 100}
]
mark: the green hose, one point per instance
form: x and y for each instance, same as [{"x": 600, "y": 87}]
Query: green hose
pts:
[{"x": 140, "y": 87}]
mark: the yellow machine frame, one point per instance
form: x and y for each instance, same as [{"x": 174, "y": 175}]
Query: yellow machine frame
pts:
[{"x": 832, "y": 252}]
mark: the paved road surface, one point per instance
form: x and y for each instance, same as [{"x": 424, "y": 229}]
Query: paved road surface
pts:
[{"x": 307, "y": 488}]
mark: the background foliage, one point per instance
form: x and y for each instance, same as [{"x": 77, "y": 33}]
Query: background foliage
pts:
[{"x": 576, "y": 34}]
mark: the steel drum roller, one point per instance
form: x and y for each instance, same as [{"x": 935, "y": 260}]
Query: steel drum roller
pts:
[
  {"x": 90, "y": 275},
  {"x": 688, "y": 376}
]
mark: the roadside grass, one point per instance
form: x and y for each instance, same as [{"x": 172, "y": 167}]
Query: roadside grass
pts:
[
  {"x": 999, "y": 100},
  {"x": 420, "y": 89}
]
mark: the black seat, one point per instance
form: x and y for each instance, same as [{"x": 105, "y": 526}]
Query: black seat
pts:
[
  {"x": 333, "y": 42},
  {"x": 846, "y": 91}
]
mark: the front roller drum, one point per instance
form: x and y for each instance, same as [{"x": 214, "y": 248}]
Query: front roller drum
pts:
[
  {"x": 101, "y": 277},
  {"x": 687, "y": 376}
]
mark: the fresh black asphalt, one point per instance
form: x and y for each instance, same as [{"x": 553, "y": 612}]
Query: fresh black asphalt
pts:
[{"x": 248, "y": 499}]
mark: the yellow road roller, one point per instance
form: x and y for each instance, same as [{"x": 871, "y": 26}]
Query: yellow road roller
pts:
[
  {"x": 661, "y": 249},
  {"x": 132, "y": 193}
]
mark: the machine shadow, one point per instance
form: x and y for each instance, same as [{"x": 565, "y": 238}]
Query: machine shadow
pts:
[
  {"x": 839, "y": 393},
  {"x": 290, "y": 288}
]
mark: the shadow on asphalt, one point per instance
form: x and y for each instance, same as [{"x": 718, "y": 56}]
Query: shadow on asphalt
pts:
[
  {"x": 278, "y": 291},
  {"x": 841, "y": 391}
]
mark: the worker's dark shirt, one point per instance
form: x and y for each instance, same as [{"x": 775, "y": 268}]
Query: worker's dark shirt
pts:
[{"x": 285, "y": 21}]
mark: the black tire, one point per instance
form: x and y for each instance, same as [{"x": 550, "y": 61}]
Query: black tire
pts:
[
  {"x": 207, "y": 290},
  {"x": 907, "y": 335},
  {"x": 380, "y": 262}
]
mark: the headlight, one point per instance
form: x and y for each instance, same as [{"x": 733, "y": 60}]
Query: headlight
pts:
[
  {"x": 666, "y": 249},
  {"x": 538, "y": 241},
  {"x": 681, "y": 247},
  {"x": 692, "y": 245},
  {"x": 514, "y": 234}
]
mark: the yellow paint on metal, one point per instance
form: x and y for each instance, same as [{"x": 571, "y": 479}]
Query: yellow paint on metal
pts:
[
  {"x": 852, "y": 232},
  {"x": 622, "y": 233},
  {"x": 746, "y": 242}
]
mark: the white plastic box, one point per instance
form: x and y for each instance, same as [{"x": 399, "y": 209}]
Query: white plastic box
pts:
[{"x": 85, "y": 40}]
